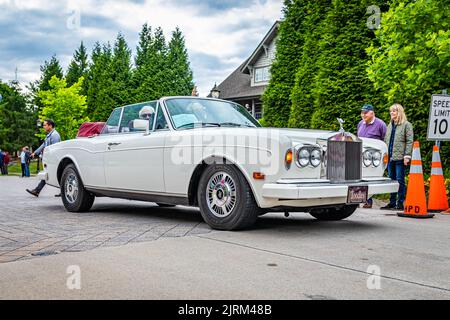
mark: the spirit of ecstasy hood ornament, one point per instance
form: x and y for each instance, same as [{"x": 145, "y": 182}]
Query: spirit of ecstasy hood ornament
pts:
[
  {"x": 342, "y": 135},
  {"x": 341, "y": 123}
]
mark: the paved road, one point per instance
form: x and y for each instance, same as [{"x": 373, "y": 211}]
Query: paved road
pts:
[
  {"x": 294, "y": 258},
  {"x": 31, "y": 226}
]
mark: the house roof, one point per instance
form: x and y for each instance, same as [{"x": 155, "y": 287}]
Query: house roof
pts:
[
  {"x": 237, "y": 85},
  {"x": 267, "y": 40}
]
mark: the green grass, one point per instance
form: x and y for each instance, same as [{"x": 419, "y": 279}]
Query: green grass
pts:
[{"x": 16, "y": 169}]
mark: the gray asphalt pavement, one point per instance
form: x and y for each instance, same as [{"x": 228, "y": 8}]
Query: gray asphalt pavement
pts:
[{"x": 140, "y": 251}]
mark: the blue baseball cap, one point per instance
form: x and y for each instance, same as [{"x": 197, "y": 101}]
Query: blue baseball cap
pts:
[{"x": 367, "y": 107}]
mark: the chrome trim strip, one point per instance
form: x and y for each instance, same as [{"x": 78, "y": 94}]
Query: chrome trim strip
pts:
[{"x": 136, "y": 191}]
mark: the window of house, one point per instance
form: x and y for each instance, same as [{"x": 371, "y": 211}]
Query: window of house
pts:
[{"x": 262, "y": 74}]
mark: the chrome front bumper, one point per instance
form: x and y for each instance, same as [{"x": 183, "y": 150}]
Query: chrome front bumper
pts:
[{"x": 322, "y": 189}]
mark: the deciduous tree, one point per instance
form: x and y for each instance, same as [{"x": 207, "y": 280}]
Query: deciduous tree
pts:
[{"x": 64, "y": 105}]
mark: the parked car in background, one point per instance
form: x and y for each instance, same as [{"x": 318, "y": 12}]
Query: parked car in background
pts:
[{"x": 214, "y": 155}]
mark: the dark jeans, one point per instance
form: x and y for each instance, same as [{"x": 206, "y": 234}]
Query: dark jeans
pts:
[
  {"x": 25, "y": 170},
  {"x": 396, "y": 171},
  {"x": 40, "y": 186}
]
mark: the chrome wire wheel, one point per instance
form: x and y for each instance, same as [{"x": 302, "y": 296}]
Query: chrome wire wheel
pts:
[
  {"x": 221, "y": 194},
  {"x": 71, "y": 188}
]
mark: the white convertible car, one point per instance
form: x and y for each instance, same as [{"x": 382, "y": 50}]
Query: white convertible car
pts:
[{"x": 214, "y": 155}]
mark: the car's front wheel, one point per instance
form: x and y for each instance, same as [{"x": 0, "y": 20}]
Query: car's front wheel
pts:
[
  {"x": 74, "y": 196},
  {"x": 225, "y": 198},
  {"x": 333, "y": 214}
]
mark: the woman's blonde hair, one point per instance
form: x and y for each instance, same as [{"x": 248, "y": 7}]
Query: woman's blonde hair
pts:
[{"x": 401, "y": 118}]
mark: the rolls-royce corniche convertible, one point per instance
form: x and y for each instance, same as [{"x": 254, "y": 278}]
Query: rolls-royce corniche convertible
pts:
[{"x": 213, "y": 154}]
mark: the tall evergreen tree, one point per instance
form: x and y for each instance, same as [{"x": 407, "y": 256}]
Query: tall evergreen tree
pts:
[
  {"x": 121, "y": 71},
  {"x": 145, "y": 41},
  {"x": 341, "y": 85},
  {"x": 141, "y": 62},
  {"x": 302, "y": 99},
  {"x": 78, "y": 67},
  {"x": 109, "y": 81},
  {"x": 48, "y": 70},
  {"x": 276, "y": 98},
  {"x": 150, "y": 76},
  {"x": 17, "y": 119},
  {"x": 180, "y": 74},
  {"x": 99, "y": 100}
]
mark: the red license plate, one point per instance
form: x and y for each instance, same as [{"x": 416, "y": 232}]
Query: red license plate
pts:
[{"x": 357, "y": 194}]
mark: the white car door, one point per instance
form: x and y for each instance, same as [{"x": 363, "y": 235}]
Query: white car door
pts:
[
  {"x": 90, "y": 156},
  {"x": 133, "y": 161}
]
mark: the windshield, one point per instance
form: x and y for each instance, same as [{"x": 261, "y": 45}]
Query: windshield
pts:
[{"x": 187, "y": 113}]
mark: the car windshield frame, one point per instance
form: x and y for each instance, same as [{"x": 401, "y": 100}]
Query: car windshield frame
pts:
[{"x": 252, "y": 122}]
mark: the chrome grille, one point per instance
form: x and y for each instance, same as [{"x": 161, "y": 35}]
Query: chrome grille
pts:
[{"x": 344, "y": 161}]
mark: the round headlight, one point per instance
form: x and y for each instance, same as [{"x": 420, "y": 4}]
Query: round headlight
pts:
[
  {"x": 367, "y": 158},
  {"x": 376, "y": 158},
  {"x": 303, "y": 157},
  {"x": 316, "y": 157}
]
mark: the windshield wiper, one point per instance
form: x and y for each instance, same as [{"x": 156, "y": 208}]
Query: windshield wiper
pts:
[
  {"x": 203, "y": 124},
  {"x": 233, "y": 124}
]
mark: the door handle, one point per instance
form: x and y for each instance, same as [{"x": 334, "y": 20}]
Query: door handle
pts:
[{"x": 111, "y": 144}]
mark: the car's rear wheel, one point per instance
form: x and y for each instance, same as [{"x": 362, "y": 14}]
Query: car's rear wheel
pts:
[
  {"x": 333, "y": 214},
  {"x": 225, "y": 198},
  {"x": 74, "y": 196}
]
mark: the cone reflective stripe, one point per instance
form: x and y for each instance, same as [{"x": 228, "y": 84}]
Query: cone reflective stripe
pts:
[
  {"x": 416, "y": 169},
  {"x": 437, "y": 171},
  {"x": 416, "y": 201},
  {"x": 437, "y": 199}
]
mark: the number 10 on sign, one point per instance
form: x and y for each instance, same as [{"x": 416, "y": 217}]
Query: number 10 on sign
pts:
[{"x": 439, "y": 122}]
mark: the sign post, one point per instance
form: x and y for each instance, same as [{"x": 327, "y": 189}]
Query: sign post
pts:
[{"x": 439, "y": 120}]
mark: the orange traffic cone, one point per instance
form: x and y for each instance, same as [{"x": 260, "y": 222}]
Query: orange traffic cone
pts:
[
  {"x": 437, "y": 197},
  {"x": 416, "y": 201}
]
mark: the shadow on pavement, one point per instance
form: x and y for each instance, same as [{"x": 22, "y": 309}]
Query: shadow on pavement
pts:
[{"x": 298, "y": 223}]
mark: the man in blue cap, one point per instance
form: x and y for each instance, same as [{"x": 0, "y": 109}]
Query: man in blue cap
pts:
[{"x": 371, "y": 127}]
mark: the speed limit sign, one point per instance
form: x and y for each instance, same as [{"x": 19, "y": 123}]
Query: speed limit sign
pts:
[{"x": 439, "y": 123}]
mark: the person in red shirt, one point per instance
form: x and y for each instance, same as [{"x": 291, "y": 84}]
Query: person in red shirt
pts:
[{"x": 6, "y": 161}]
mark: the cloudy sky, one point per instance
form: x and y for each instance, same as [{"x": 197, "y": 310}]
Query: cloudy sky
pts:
[{"x": 220, "y": 34}]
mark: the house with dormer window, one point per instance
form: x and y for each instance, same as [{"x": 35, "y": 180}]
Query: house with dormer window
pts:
[{"x": 247, "y": 83}]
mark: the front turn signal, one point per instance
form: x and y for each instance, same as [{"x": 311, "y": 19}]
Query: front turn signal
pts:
[
  {"x": 385, "y": 159},
  {"x": 289, "y": 157}
]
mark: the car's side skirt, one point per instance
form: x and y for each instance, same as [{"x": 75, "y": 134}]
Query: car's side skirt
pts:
[{"x": 140, "y": 196}]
